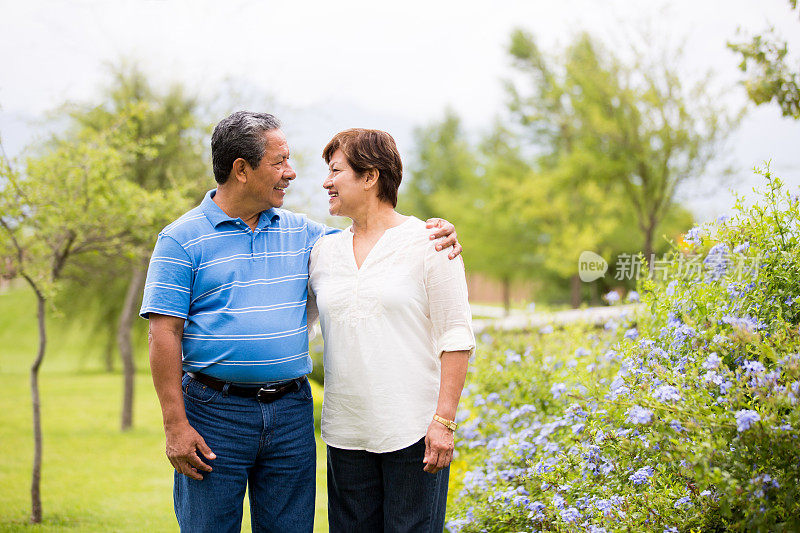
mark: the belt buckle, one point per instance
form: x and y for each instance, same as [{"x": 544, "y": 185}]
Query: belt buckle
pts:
[{"x": 264, "y": 394}]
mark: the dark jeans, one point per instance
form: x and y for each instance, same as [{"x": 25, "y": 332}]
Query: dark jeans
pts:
[
  {"x": 372, "y": 492},
  {"x": 268, "y": 447}
]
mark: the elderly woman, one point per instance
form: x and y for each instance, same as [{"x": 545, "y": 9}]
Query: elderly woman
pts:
[{"x": 397, "y": 329}]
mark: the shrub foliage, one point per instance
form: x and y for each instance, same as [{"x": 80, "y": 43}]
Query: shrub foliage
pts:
[{"x": 681, "y": 416}]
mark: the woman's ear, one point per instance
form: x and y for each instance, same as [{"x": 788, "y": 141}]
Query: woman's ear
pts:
[{"x": 371, "y": 178}]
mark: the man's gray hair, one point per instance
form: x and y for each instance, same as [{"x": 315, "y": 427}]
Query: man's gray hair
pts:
[{"x": 241, "y": 135}]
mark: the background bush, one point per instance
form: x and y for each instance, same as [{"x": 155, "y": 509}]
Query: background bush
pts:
[{"x": 680, "y": 417}]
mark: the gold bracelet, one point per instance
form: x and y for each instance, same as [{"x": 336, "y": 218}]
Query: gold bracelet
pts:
[{"x": 449, "y": 424}]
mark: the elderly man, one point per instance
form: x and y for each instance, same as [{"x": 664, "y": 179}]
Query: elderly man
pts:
[{"x": 226, "y": 299}]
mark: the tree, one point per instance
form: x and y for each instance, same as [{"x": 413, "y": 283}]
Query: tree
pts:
[
  {"x": 70, "y": 202},
  {"x": 771, "y": 75},
  {"x": 635, "y": 128},
  {"x": 446, "y": 162},
  {"x": 509, "y": 203},
  {"x": 168, "y": 156},
  {"x": 600, "y": 152},
  {"x": 515, "y": 221},
  {"x": 467, "y": 185}
]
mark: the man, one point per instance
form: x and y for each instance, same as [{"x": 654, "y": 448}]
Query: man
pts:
[{"x": 226, "y": 299}]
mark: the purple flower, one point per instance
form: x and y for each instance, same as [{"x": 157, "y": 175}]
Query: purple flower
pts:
[
  {"x": 767, "y": 480},
  {"x": 753, "y": 367},
  {"x": 512, "y": 357},
  {"x": 746, "y": 324},
  {"x": 632, "y": 297},
  {"x": 570, "y": 515},
  {"x": 671, "y": 287},
  {"x": 712, "y": 362},
  {"x": 559, "y": 502},
  {"x": 682, "y": 503},
  {"x": 604, "y": 506},
  {"x": 676, "y": 425},
  {"x": 557, "y": 390},
  {"x": 536, "y": 506},
  {"x": 658, "y": 352},
  {"x": 712, "y": 377},
  {"x": 717, "y": 261},
  {"x": 683, "y": 331},
  {"x": 642, "y": 475},
  {"x": 745, "y": 419},
  {"x": 667, "y": 393},
  {"x": 456, "y": 524},
  {"x": 519, "y": 500},
  {"x": 581, "y": 352},
  {"x": 639, "y": 415},
  {"x": 693, "y": 236},
  {"x": 632, "y": 333},
  {"x": 611, "y": 297},
  {"x": 742, "y": 248},
  {"x": 618, "y": 387}
]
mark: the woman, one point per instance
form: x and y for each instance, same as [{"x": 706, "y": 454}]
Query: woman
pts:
[{"x": 396, "y": 325}]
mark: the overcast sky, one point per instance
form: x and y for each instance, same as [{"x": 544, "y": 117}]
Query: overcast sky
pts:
[{"x": 391, "y": 65}]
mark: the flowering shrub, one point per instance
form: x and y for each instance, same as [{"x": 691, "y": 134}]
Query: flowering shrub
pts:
[{"x": 681, "y": 417}]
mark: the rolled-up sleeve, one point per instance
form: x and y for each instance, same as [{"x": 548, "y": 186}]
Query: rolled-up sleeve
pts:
[
  {"x": 446, "y": 286},
  {"x": 168, "y": 289}
]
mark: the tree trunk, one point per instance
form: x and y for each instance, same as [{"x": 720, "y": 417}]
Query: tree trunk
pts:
[
  {"x": 507, "y": 295},
  {"x": 36, "y": 499},
  {"x": 595, "y": 294},
  {"x": 575, "y": 291},
  {"x": 648, "y": 247},
  {"x": 109, "y": 352},
  {"x": 125, "y": 325}
]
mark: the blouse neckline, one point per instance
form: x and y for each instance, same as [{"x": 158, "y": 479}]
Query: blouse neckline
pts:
[{"x": 381, "y": 239}]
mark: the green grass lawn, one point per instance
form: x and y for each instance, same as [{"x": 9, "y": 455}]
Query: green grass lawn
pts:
[{"x": 94, "y": 477}]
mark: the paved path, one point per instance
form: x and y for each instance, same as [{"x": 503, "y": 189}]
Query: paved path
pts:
[{"x": 525, "y": 320}]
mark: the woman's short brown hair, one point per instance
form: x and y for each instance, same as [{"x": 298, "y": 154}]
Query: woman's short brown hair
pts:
[{"x": 367, "y": 149}]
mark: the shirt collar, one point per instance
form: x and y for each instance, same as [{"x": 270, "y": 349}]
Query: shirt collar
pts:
[
  {"x": 268, "y": 217},
  {"x": 217, "y": 216}
]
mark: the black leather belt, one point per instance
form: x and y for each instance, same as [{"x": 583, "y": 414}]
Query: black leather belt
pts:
[{"x": 265, "y": 394}]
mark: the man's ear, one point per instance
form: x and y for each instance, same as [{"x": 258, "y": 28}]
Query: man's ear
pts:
[
  {"x": 371, "y": 178},
  {"x": 239, "y": 170}
]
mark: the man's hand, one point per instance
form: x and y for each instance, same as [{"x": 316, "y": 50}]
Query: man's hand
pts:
[
  {"x": 439, "y": 445},
  {"x": 183, "y": 443},
  {"x": 447, "y": 233}
]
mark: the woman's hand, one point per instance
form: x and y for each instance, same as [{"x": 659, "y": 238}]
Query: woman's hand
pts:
[{"x": 439, "y": 446}]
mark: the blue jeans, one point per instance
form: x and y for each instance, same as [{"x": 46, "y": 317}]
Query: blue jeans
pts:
[
  {"x": 373, "y": 492},
  {"x": 269, "y": 447}
]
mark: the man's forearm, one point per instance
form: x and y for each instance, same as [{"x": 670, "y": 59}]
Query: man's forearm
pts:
[
  {"x": 165, "y": 367},
  {"x": 454, "y": 372}
]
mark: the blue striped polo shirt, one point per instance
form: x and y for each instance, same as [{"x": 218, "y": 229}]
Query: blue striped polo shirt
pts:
[{"x": 242, "y": 292}]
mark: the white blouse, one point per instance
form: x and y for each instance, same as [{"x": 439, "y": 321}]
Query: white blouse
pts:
[{"x": 385, "y": 327}]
